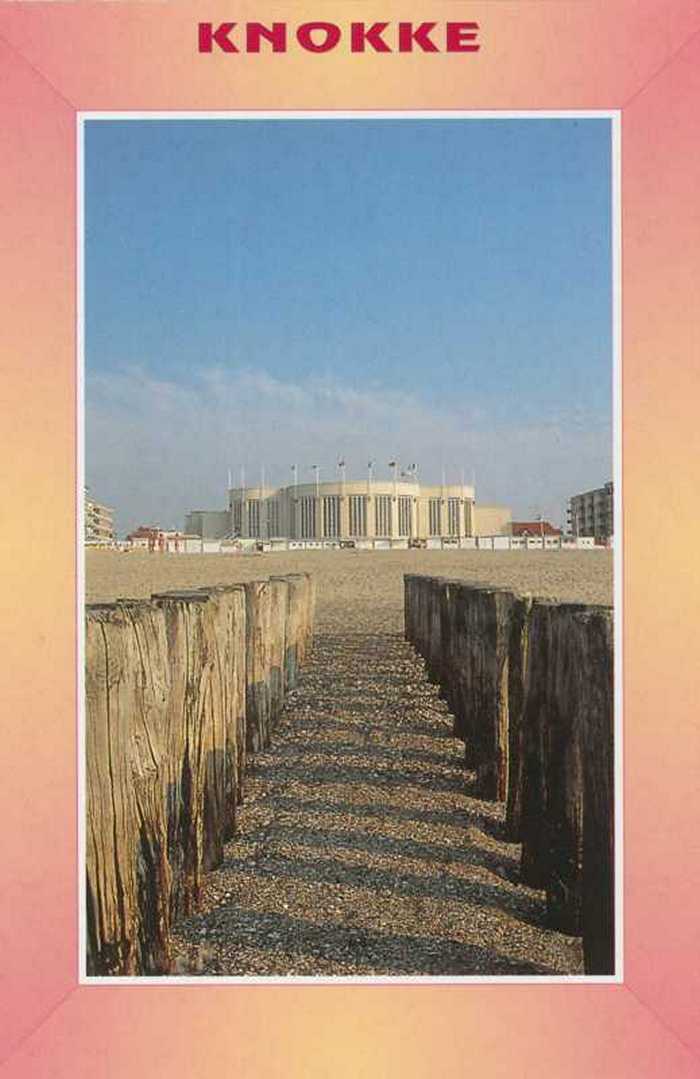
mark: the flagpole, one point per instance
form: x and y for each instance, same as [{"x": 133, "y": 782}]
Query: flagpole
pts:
[
  {"x": 393, "y": 466},
  {"x": 244, "y": 530}
]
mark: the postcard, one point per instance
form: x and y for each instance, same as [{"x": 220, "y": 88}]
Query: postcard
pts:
[{"x": 348, "y": 725}]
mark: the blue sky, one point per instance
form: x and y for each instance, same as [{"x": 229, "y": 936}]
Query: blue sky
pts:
[{"x": 264, "y": 292}]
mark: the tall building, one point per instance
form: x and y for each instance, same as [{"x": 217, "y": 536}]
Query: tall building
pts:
[
  {"x": 591, "y": 513},
  {"x": 99, "y": 523}
]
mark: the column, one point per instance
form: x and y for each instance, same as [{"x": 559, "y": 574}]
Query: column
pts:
[
  {"x": 344, "y": 521},
  {"x": 468, "y": 518}
]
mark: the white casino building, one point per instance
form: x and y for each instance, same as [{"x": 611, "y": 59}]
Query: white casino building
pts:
[{"x": 393, "y": 510}]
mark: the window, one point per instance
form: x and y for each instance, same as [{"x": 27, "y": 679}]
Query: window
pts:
[
  {"x": 358, "y": 515},
  {"x": 254, "y": 517},
  {"x": 404, "y": 516},
  {"x": 273, "y": 518},
  {"x": 434, "y": 517},
  {"x": 308, "y": 517},
  {"x": 382, "y": 513},
  {"x": 453, "y": 528},
  {"x": 331, "y": 517}
]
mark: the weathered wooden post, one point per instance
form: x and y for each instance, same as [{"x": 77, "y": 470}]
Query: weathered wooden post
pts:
[
  {"x": 239, "y": 683},
  {"x": 423, "y": 613},
  {"x": 294, "y": 625},
  {"x": 492, "y": 645},
  {"x": 567, "y": 689},
  {"x": 447, "y": 599},
  {"x": 228, "y": 610},
  {"x": 455, "y": 624},
  {"x": 597, "y": 734},
  {"x": 197, "y": 742},
  {"x": 258, "y": 613},
  {"x": 411, "y": 584},
  {"x": 416, "y": 611},
  {"x": 308, "y": 638},
  {"x": 298, "y": 625},
  {"x": 433, "y": 655},
  {"x": 279, "y": 602},
  {"x": 478, "y": 623},
  {"x": 561, "y": 683},
  {"x": 535, "y": 730},
  {"x": 518, "y": 652},
  {"x": 128, "y": 877}
]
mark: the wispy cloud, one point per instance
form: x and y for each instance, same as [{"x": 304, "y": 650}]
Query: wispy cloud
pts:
[{"x": 157, "y": 448}]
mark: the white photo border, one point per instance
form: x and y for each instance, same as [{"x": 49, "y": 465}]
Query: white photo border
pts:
[{"x": 235, "y": 116}]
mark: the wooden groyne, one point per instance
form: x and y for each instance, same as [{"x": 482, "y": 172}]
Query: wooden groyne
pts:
[
  {"x": 531, "y": 686},
  {"x": 179, "y": 690}
]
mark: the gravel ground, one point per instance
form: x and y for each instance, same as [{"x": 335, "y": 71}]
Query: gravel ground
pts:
[{"x": 360, "y": 850}]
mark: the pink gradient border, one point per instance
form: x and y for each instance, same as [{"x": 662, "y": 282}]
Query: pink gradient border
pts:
[{"x": 59, "y": 59}]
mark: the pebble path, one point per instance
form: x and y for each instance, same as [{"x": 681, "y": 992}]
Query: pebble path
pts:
[{"x": 360, "y": 850}]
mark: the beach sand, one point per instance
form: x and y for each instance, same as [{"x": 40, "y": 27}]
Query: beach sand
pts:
[{"x": 362, "y": 590}]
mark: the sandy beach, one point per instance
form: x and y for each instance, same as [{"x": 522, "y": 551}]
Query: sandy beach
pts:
[{"x": 362, "y": 590}]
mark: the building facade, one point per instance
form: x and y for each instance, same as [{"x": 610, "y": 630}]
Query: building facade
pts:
[
  {"x": 591, "y": 513},
  {"x": 214, "y": 524},
  {"x": 354, "y": 510},
  {"x": 99, "y": 523},
  {"x": 168, "y": 541},
  {"x": 491, "y": 520}
]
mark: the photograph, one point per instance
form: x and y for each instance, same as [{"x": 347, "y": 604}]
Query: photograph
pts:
[{"x": 349, "y": 540}]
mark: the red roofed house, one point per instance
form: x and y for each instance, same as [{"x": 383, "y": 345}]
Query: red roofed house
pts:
[{"x": 533, "y": 528}]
